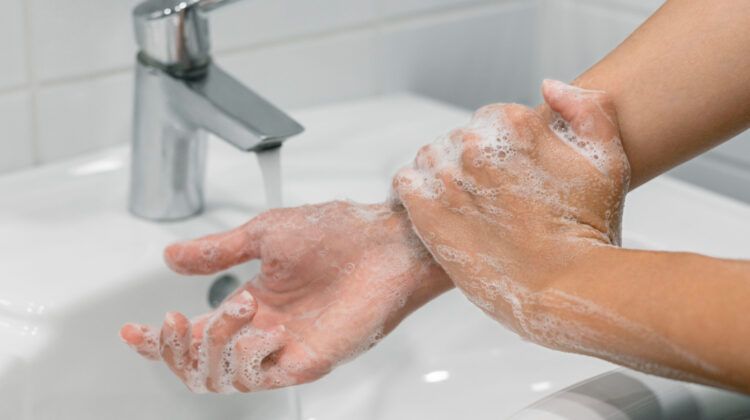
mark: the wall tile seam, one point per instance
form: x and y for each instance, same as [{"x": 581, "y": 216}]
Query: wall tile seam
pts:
[
  {"x": 14, "y": 89},
  {"x": 449, "y": 12},
  {"x": 719, "y": 179},
  {"x": 724, "y": 160},
  {"x": 612, "y": 7},
  {"x": 444, "y": 14},
  {"x": 33, "y": 87},
  {"x": 376, "y": 25},
  {"x": 438, "y": 13}
]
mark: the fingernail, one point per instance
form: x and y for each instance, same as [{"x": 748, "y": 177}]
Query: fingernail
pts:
[
  {"x": 553, "y": 82},
  {"x": 130, "y": 333},
  {"x": 244, "y": 297},
  {"x": 169, "y": 319}
]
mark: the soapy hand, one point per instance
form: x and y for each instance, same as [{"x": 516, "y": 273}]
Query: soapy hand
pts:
[
  {"x": 335, "y": 278},
  {"x": 505, "y": 202}
]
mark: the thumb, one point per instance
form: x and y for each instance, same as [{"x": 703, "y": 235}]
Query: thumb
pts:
[
  {"x": 591, "y": 113},
  {"x": 587, "y": 121}
]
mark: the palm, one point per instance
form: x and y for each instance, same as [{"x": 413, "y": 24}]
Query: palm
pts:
[{"x": 334, "y": 278}]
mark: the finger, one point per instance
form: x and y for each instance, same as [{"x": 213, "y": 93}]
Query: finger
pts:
[
  {"x": 426, "y": 158},
  {"x": 589, "y": 124},
  {"x": 216, "y": 252},
  {"x": 229, "y": 319},
  {"x": 175, "y": 343},
  {"x": 141, "y": 338},
  {"x": 591, "y": 113},
  {"x": 417, "y": 182},
  {"x": 419, "y": 199},
  {"x": 484, "y": 156},
  {"x": 199, "y": 326},
  {"x": 256, "y": 356}
]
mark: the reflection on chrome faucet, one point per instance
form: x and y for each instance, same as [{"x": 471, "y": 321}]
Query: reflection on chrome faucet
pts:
[{"x": 180, "y": 97}]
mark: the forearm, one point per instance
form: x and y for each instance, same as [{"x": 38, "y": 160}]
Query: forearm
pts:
[
  {"x": 668, "y": 313},
  {"x": 679, "y": 83}
]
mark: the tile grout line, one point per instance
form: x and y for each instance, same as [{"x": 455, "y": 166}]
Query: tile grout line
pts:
[
  {"x": 16, "y": 88},
  {"x": 376, "y": 24},
  {"x": 32, "y": 84},
  {"x": 619, "y": 7},
  {"x": 449, "y": 11},
  {"x": 85, "y": 77},
  {"x": 380, "y": 76}
]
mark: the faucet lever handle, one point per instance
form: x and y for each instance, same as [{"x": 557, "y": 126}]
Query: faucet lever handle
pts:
[
  {"x": 209, "y": 5},
  {"x": 174, "y": 33}
]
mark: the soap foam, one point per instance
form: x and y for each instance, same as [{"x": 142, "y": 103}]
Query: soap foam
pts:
[
  {"x": 569, "y": 332},
  {"x": 593, "y": 151},
  {"x": 149, "y": 346},
  {"x": 492, "y": 286},
  {"x": 393, "y": 262}
]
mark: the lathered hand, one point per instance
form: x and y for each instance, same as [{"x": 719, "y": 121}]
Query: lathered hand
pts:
[
  {"x": 505, "y": 202},
  {"x": 335, "y": 278}
]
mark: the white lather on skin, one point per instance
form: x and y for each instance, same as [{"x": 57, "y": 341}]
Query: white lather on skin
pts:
[
  {"x": 491, "y": 284},
  {"x": 330, "y": 250}
]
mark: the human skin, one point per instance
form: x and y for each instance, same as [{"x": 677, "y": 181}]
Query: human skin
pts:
[
  {"x": 679, "y": 82},
  {"x": 679, "y": 86},
  {"x": 335, "y": 278},
  {"x": 532, "y": 239}
]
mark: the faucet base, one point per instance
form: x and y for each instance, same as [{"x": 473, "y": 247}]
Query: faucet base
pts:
[{"x": 168, "y": 155}]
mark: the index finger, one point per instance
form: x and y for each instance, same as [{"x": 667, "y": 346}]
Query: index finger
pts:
[{"x": 217, "y": 252}]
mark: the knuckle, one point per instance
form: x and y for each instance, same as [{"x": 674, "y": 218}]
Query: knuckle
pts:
[
  {"x": 602, "y": 98},
  {"x": 469, "y": 139},
  {"x": 490, "y": 110},
  {"x": 454, "y": 185},
  {"x": 424, "y": 153},
  {"x": 520, "y": 115},
  {"x": 425, "y": 157},
  {"x": 471, "y": 157}
]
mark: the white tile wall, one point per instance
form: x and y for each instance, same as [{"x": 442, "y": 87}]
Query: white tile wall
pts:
[
  {"x": 16, "y": 147},
  {"x": 77, "y": 95},
  {"x": 317, "y": 70},
  {"x": 295, "y": 52},
  {"x": 716, "y": 173},
  {"x": 645, "y": 7},
  {"x": 576, "y": 34},
  {"x": 80, "y": 117},
  {"x": 737, "y": 150},
  {"x": 12, "y": 32},
  {"x": 470, "y": 59},
  {"x": 260, "y": 21},
  {"x": 80, "y": 37},
  {"x": 389, "y": 8}
]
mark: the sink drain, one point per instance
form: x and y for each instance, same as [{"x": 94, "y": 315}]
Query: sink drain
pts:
[{"x": 221, "y": 288}]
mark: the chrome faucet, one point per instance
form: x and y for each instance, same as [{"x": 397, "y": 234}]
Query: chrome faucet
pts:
[{"x": 180, "y": 97}]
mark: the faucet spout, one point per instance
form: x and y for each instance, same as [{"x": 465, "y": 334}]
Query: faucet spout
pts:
[
  {"x": 225, "y": 107},
  {"x": 180, "y": 96}
]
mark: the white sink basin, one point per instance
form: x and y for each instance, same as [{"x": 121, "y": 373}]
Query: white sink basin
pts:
[{"x": 74, "y": 266}]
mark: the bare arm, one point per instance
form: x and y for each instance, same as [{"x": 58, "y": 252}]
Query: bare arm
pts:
[
  {"x": 678, "y": 314},
  {"x": 681, "y": 86},
  {"x": 680, "y": 83},
  {"x": 525, "y": 222},
  {"x": 529, "y": 256}
]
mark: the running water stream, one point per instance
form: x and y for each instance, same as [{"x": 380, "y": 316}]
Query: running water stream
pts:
[{"x": 270, "y": 168}]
